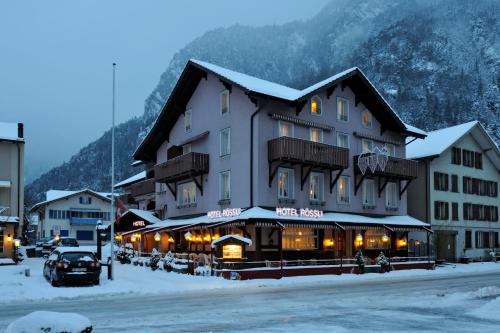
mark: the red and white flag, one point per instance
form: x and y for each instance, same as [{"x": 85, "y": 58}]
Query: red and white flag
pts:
[{"x": 120, "y": 210}]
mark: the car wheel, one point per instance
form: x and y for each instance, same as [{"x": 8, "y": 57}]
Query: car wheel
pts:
[{"x": 53, "y": 282}]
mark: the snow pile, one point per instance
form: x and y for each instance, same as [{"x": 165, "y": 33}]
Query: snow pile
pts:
[
  {"x": 489, "y": 310},
  {"x": 47, "y": 321},
  {"x": 486, "y": 292}
]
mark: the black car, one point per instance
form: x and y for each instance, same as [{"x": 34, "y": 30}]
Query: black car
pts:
[
  {"x": 70, "y": 264},
  {"x": 52, "y": 244}
]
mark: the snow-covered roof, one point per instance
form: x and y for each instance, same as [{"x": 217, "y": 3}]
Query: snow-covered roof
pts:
[
  {"x": 9, "y": 131},
  {"x": 55, "y": 195},
  {"x": 134, "y": 179},
  {"x": 245, "y": 240},
  {"x": 5, "y": 183},
  {"x": 415, "y": 130},
  {"x": 66, "y": 249},
  {"x": 9, "y": 219},
  {"x": 143, "y": 214}
]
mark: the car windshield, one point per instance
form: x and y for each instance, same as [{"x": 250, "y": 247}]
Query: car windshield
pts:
[
  {"x": 78, "y": 256},
  {"x": 68, "y": 242}
]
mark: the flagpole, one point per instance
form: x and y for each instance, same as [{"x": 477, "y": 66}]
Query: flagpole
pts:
[{"x": 113, "y": 215}]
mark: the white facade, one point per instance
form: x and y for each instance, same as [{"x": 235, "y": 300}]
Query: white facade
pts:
[{"x": 74, "y": 215}]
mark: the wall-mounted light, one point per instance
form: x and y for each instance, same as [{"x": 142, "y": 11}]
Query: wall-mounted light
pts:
[
  {"x": 171, "y": 239},
  {"x": 9, "y": 238},
  {"x": 188, "y": 236},
  {"x": 157, "y": 237},
  {"x": 385, "y": 238},
  {"x": 17, "y": 242}
]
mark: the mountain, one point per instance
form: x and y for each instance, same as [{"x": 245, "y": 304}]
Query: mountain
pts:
[{"x": 436, "y": 63}]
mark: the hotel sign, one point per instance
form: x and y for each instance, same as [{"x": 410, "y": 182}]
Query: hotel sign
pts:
[
  {"x": 138, "y": 224},
  {"x": 302, "y": 212},
  {"x": 228, "y": 212},
  {"x": 232, "y": 251}
]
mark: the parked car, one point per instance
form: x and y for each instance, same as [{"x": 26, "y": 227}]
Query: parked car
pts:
[
  {"x": 39, "y": 245},
  {"x": 71, "y": 264},
  {"x": 51, "y": 245}
]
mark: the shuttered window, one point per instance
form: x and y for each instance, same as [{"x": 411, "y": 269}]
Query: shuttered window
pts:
[
  {"x": 468, "y": 239},
  {"x": 478, "y": 160},
  {"x": 441, "y": 210},
  {"x": 440, "y": 181},
  {"x": 454, "y": 183},
  {"x": 456, "y": 156},
  {"x": 454, "y": 211}
]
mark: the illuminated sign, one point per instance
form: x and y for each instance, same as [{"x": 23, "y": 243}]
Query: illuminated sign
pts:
[
  {"x": 138, "y": 224},
  {"x": 303, "y": 212},
  {"x": 228, "y": 212},
  {"x": 232, "y": 251}
]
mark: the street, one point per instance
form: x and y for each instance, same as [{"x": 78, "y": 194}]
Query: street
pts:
[{"x": 439, "y": 304}]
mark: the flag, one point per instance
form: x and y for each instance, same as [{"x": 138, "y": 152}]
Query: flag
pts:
[{"x": 120, "y": 210}]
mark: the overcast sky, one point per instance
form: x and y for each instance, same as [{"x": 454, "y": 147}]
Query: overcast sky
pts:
[{"x": 55, "y": 60}]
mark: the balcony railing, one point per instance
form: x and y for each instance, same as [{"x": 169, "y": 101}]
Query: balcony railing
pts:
[
  {"x": 399, "y": 168},
  {"x": 182, "y": 167},
  {"x": 307, "y": 152},
  {"x": 144, "y": 187}
]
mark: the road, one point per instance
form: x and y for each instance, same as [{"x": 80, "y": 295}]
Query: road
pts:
[{"x": 436, "y": 304}]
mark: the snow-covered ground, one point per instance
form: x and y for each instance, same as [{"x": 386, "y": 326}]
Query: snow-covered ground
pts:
[{"x": 453, "y": 298}]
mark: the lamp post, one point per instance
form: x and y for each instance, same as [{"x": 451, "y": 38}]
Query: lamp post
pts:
[{"x": 113, "y": 219}]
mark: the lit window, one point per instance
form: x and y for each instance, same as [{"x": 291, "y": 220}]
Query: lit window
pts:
[
  {"x": 300, "y": 239},
  {"x": 343, "y": 191},
  {"x": 316, "y": 134},
  {"x": 367, "y": 119},
  {"x": 225, "y": 185},
  {"x": 368, "y": 193},
  {"x": 391, "y": 149},
  {"x": 376, "y": 239},
  {"x": 285, "y": 129},
  {"x": 367, "y": 146},
  {"x": 224, "y": 102},
  {"x": 316, "y": 184},
  {"x": 285, "y": 183},
  {"x": 186, "y": 148},
  {"x": 342, "y": 109},
  {"x": 342, "y": 140},
  {"x": 316, "y": 105},
  {"x": 186, "y": 194},
  {"x": 187, "y": 120},
  {"x": 391, "y": 195},
  {"x": 225, "y": 142}
]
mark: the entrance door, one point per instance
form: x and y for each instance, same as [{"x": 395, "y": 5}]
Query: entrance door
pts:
[{"x": 445, "y": 245}]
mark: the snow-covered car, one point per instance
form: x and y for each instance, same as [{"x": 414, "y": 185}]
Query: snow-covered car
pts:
[
  {"x": 71, "y": 264},
  {"x": 54, "y": 322},
  {"x": 50, "y": 246},
  {"x": 39, "y": 244}
]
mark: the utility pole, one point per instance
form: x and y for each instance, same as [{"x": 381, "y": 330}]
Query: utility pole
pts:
[{"x": 113, "y": 215}]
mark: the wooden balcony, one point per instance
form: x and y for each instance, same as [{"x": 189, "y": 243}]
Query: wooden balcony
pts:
[
  {"x": 182, "y": 167},
  {"x": 306, "y": 152},
  {"x": 397, "y": 168},
  {"x": 144, "y": 187}
]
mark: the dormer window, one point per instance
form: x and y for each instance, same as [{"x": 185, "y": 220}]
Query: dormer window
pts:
[
  {"x": 366, "y": 117},
  {"x": 316, "y": 106},
  {"x": 224, "y": 102}
]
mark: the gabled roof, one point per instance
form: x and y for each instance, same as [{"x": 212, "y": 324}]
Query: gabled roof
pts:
[
  {"x": 142, "y": 214},
  {"x": 440, "y": 140},
  {"x": 56, "y": 195},
  {"x": 132, "y": 180},
  {"x": 254, "y": 87}
]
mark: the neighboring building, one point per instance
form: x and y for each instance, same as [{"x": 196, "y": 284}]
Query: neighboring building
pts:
[
  {"x": 11, "y": 185},
  {"x": 138, "y": 192},
  {"x": 228, "y": 146},
  {"x": 457, "y": 190},
  {"x": 73, "y": 214}
]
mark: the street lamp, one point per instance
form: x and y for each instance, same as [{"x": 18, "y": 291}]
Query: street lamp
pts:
[{"x": 157, "y": 237}]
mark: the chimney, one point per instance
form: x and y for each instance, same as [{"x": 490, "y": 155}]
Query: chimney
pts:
[{"x": 20, "y": 130}]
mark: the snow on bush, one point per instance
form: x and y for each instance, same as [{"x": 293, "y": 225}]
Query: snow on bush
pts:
[
  {"x": 489, "y": 310},
  {"x": 53, "y": 322}
]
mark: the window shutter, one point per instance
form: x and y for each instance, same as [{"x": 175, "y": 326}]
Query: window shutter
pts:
[
  {"x": 464, "y": 185},
  {"x": 446, "y": 181},
  {"x": 477, "y": 239},
  {"x": 496, "y": 213},
  {"x": 436, "y": 210},
  {"x": 495, "y": 189},
  {"x": 446, "y": 211},
  {"x": 459, "y": 156},
  {"x": 478, "y": 160},
  {"x": 436, "y": 180}
]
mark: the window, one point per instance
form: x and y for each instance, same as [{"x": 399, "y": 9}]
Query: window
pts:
[
  {"x": 187, "y": 120},
  {"x": 467, "y": 212},
  {"x": 454, "y": 211},
  {"x": 64, "y": 233},
  {"x": 454, "y": 183},
  {"x": 368, "y": 193},
  {"x": 468, "y": 158},
  {"x": 224, "y": 102},
  {"x": 342, "y": 140},
  {"x": 342, "y": 109},
  {"x": 391, "y": 195},
  {"x": 343, "y": 191},
  {"x": 186, "y": 194},
  {"x": 225, "y": 141},
  {"x": 483, "y": 239},
  {"x": 441, "y": 210},
  {"x": 300, "y": 239},
  {"x": 285, "y": 183},
  {"x": 495, "y": 239},
  {"x": 85, "y": 235},
  {"x": 468, "y": 239},
  {"x": 85, "y": 200},
  {"x": 478, "y": 160},
  {"x": 186, "y": 149},
  {"x": 391, "y": 148},
  {"x": 225, "y": 185},
  {"x": 316, "y": 187},
  {"x": 366, "y": 117},
  {"x": 374, "y": 240},
  {"x": 366, "y": 146},
  {"x": 467, "y": 185},
  {"x": 456, "y": 156},
  {"x": 316, "y": 106},
  {"x": 440, "y": 181},
  {"x": 285, "y": 129},
  {"x": 316, "y": 134}
]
